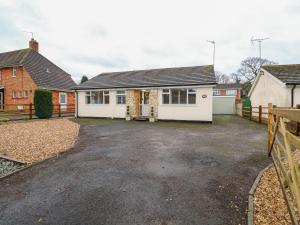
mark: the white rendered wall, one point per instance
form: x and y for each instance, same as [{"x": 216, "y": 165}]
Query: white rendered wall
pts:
[
  {"x": 270, "y": 90},
  {"x": 201, "y": 111},
  {"x": 111, "y": 110}
]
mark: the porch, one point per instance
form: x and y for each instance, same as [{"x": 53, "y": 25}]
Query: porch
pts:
[{"x": 142, "y": 104}]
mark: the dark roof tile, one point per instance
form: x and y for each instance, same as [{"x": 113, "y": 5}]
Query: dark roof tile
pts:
[
  {"x": 43, "y": 72},
  {"x": 180, "y": 76},
  {"x": 288, "y": 74}
]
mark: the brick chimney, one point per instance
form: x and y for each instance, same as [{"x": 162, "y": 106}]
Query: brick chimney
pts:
[{"x": 34, "y": 45}]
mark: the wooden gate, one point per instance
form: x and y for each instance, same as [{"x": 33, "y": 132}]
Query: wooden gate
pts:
[{"x": 282, "y": 145}]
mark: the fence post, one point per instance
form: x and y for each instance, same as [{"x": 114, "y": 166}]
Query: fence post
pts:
[
  {"x": 30, "y": 111},
  {"x": 274, "y": 116},
  {"x": 250, "y": 115},
  {"x": 59, "y": 111},
  {"x": 259, "y": 113},
  {"x": 270, "y": 128},
  {"x": 297, "y": 124}
]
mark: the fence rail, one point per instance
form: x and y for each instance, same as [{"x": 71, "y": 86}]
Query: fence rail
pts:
[
  {"x": 260, "y": 113},
  {"x": 27, "y": 111},
  {"x": 282, "y": 145}
]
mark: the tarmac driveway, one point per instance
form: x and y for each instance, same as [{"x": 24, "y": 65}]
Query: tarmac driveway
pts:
[{"x": 137, "y": 173}]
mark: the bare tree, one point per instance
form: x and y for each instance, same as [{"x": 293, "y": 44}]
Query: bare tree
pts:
[
  {"x": 249, "y": 69},
  {"x": 222, "y": 78},
  {"x": 235, "y": 78}
]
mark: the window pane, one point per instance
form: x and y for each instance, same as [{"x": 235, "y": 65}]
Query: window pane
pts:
[
  {"x": 192, "y": 98},
  {"x": 165, "y": 99},
  {"x": 146, "y": 98},
  {"x": 62, "y": 99},
  {"x": 231, "y": 92},
  {"x": 175, "y": 96},
  {"x": 87, "y": 97},
  {"x": 106, "y": 92},
  {"x": 121, "y": 99},
  {"x": 183, "y": 96},
  {"x": 95, "y": 97},
  {"x": 166, "y": 90},
  {"x": 100, "y": 97},
  {"x": 216, "y": 92},
  {"x": 106, "y": 99}
]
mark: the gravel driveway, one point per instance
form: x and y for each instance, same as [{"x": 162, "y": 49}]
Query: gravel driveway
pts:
[{"x": 130, "y": 173}]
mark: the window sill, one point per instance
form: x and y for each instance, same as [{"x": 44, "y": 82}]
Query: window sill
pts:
[
  {"x": 178, "y": 105},
  {"x": 97, "y": 105}
]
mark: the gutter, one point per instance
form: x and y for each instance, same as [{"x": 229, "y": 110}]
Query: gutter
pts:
[
  {"x": 141, "y": 87},
  {"x": 76, "y": 96}
]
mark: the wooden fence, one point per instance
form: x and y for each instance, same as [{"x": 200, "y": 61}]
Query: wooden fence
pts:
[
  {"x": 282, "y": 145},
  {"x": 27, "y": 111},
  {"x": 256, "y": 113},
  {"x": 260, "y": 113}
]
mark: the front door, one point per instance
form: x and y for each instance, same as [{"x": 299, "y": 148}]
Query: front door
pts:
[
  {"x": 144, "y": 103},
  {"x": 1, "y": 100}
]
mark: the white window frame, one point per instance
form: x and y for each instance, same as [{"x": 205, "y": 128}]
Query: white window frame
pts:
[
  {"x": 66, "y": 98},
  {"x": 216, "y": 92},
  {"x": 121, "y": 93},
  {"x": 88, "y": 95},
  {"x": 189, "y": 91},
  {"x": 103, "y": 93},
  {"x": 14, "y": 72},
  {"x": 231, "y": 92}
]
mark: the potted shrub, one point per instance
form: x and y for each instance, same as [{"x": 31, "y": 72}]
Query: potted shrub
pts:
[
  {"x": 152, "y": 118},
  {"x": 128, "y": 113}
]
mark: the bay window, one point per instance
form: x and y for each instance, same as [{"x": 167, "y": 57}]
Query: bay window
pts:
[{"x": 180, "y": 96}]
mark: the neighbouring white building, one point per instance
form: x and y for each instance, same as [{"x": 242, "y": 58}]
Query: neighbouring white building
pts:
[
  {"x": 183, "y": 93},
  {"x": 277, "y": 84}
]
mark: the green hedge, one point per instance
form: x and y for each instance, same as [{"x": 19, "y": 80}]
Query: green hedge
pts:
[{"x": 43, "y": 103}]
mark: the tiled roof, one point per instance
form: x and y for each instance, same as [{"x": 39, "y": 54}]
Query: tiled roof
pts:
[
  {"x": 288, "y": 74},
  {"x": 43, "y": 72},
  {"x": 228, "y": 86},
  {"x": 180, "y": 76}
]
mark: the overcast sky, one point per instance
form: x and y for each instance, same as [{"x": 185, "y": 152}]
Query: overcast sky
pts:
[{"x": 90, "y": 37}]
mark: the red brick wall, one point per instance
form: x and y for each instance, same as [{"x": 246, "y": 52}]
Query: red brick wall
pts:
[
  {"x": 70, "y": 97},
  {"x": 22, "y": 82}
]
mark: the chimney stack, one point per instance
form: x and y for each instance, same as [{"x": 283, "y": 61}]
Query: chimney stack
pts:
[{"x": 34, "y": 45}]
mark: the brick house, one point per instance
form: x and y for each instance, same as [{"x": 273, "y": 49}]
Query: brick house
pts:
[
  {"x": 231, "y": 89},
  {"x": 23, "y": 71}
]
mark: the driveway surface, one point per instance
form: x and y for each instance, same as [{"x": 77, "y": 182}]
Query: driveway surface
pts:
[{"x": 137, "y": 173}]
